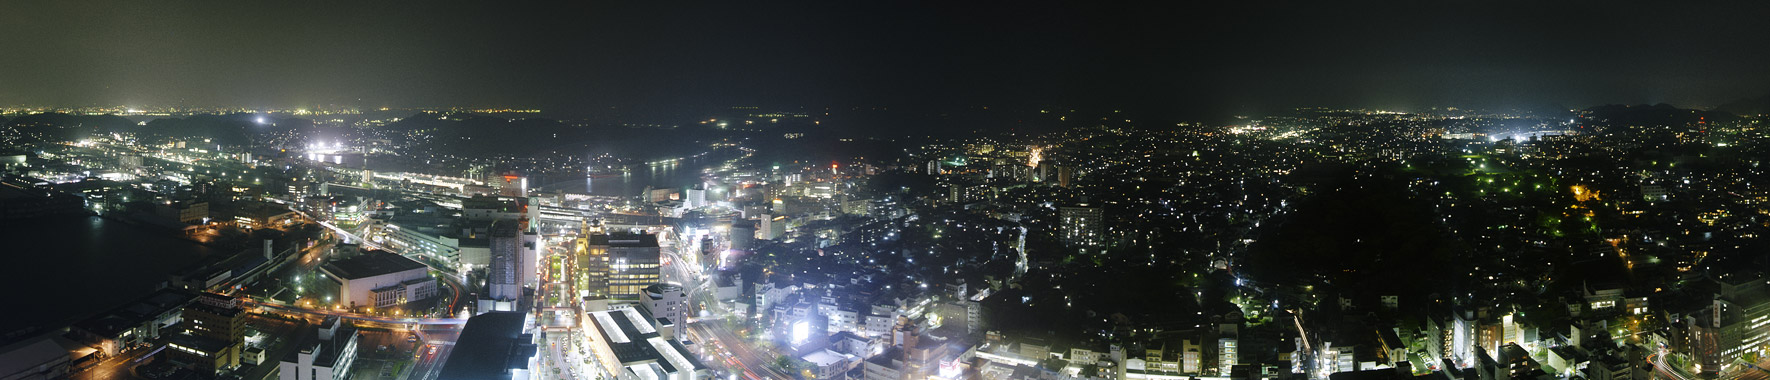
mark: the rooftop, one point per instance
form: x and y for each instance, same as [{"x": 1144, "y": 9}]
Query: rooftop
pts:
[
  {"x": 137, "y": 312},
  {"x": 491, "y": 345},
  {"x": 371, "y": 263},
  {"x": 625, "y": 240},
  {"x": 630, "y": 335}
]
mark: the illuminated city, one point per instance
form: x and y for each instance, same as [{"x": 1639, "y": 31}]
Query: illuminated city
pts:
[{"x": 921, "y": 191}]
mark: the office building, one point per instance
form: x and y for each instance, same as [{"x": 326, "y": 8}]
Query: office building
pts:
[
  {"x": 592, "y": 259},
  {"x": 619, "y": 266}
]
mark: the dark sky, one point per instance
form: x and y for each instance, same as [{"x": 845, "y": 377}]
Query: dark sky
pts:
[{"x": 1187, "y": 57}]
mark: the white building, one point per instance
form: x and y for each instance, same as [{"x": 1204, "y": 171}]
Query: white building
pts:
[
  {"x": 626, "y": 345},
  {"x": 380, "y": 279},
  {"x": 329, "y": 355},
  {"x": 668, "y": 302}
]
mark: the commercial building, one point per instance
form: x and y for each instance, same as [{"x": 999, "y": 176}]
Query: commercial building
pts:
[
  {"x": 1082, "y": 226},
  {"x": 327, "y": 354},
  {"x": 514, "y": 252},
  {"x": 214, "y": 335},
  {"x": 380, "y": 279},
  {"x": 627, "y": 345},
  {"x": 493, "y": 346}
]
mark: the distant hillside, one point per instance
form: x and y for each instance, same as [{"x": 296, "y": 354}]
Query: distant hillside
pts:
[
  {"x": 1759, "y": 105},
  {"x": 66, "y": 127},
  {"x": 1657, "y": 114},
  {"x": 480, "y": 135}
]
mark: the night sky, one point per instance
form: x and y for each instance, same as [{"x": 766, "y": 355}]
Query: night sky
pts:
[{"x": 1183, "y": 59}]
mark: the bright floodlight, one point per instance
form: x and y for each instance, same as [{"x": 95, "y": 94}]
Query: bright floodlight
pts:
[
  {"x": 260, "y": 120},
  {"x": 801, "y": 331}
]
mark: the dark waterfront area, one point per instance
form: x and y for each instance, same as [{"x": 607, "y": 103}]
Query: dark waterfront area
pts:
[{"x": 91, "y": 264}]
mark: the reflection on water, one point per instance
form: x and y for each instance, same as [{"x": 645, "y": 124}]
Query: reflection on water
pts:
[{"x": 677, "y": 174}]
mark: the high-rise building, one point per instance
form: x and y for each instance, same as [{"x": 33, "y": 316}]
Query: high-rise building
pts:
[
  {"x": 617, "y": 266},
  {"x": 512, "y": 266},
  {"x": 695, "y": 196},
  {"x": 1082, "y": 226},
  {"x": 592, "y": 260},
  {"x": 633, "y": 264}
]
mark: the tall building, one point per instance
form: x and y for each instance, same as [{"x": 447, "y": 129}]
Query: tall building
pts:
[
  {"x": 592, "y": 259},
  {"x": 617, "y": 266},
  {"x": 513, "y": 259},
  {"x": 633, "y": 264},
  {"x": 1082, "y": 226},
  {"x": 771, "y": 227},
  {"x": 215, "y": 332},
  {"x": 695, "y": 196}
]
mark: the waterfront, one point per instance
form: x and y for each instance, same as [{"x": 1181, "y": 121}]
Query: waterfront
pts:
[{"x": 70, "y": 267}]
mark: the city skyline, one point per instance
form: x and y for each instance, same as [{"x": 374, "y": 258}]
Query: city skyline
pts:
[{"x": 1039, "y": 190}]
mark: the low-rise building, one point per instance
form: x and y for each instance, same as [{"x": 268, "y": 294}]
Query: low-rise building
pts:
[
  {"x": 136, "y": 324},
  {"x": 380, "y": 279},
  {"x": 493, "y": 346},
  {"x": 328, "y": 353},
  {"x": 627, "y": 345}
]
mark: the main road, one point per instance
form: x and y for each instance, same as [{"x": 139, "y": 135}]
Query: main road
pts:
[{"x": 734, "y": 351}]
